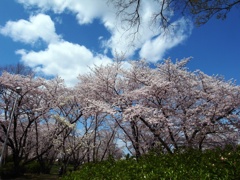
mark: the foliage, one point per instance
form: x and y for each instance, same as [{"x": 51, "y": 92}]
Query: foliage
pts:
[
  {"x": 9, "y": 170},
  {"x": 43, "y": 167},
  {"x": 33, "y": 167},
  {"x": 191, "y": 164}
]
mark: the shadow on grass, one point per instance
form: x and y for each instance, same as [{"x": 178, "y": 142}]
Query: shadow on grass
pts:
[{"x": 39, "y": 177}]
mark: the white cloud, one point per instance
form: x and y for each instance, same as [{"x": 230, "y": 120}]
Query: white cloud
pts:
[
  {"x": 63, "y": 58},
  {"x": 39, "y": 27},
  {"x": 85, "y": 11},
  {"x": 127, "y": 41},
  {"x": 57, "y": 6},
  {"x": 121, "y": 40},
  {"x": 154, "y": 49},
  {"x": 67, "y": 59}
]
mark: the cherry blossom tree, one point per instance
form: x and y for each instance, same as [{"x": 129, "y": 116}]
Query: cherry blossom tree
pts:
[
  {"x": 183, "y": 108},
  {"x": 167, "y": 108},
  {"x": 178, "y": 107},
  {"x": 33, "y": 110},
  {"x": 101, "y": 90}
]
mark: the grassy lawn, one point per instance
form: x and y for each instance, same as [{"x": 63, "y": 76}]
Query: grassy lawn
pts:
[
  {"x": 39, "y": 177},
  {"x": 52, "y": 176}
]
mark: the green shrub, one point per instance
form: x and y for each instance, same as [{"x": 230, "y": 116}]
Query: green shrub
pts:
[
  {"x": 219, "y": 164},
  {"x": 33, "y": 167},
  {"x": 8, "y": 170}
]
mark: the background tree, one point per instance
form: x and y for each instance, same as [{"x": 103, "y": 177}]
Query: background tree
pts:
[
  {"x": 34, "y": 127},
  {"x": 18, "y": 68},
  {"x": 201, "y": 11}
]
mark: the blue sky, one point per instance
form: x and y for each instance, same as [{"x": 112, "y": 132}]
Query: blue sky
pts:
[{"x": 66, "y": 37}]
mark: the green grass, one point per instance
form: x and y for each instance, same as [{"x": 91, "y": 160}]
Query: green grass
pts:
[
  {"x": 52, "y": 176},
  {"x": 31, "y": 171},
  {"x": 39, "y": 177}
]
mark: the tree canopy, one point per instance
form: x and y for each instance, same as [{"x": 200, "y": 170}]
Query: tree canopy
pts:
[{"x": 201, "y": 11}]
